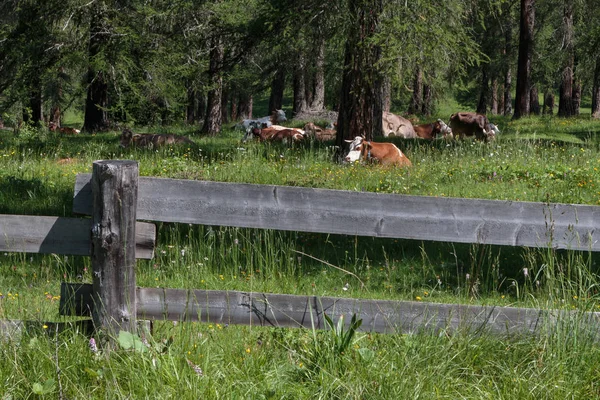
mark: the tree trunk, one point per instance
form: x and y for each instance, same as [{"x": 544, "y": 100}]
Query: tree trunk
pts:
[
  {"x": 507, "y": 98},
  {"x": 427, "y": 108},
  {"x": 485, "y": 89},
  {"x": 565, "y": 101},
  {"x": 508, "y": 51},
  {"x": 318, "y": 95},
  {"x": 596, "y": 91},
  {"x": 245, "y": 104},
  {"x": 361, "y": 100},
  {"x": 96, "y": 102},
  {"x": 190, "y": 109},
  {"x": 299, "y": 86},
  {"x": 494, "y": 107},
  {"x": 35, "y": 105},
  {"x": 416, "y": 102},
  {"x": 277, "y": 89},
  {"x": 213, "y": 121},
  {"x": 387, "y": 94},
  {"x": 233, "y": 104},
  {"x": 576, "y": 97},
  {"x": 534, "y": 101},
  {"x": 500, "y": 96},
  {"x": 522, "y": 103},
  {"x": 224, "y": 107},
  {"x": 548, "y": 103}
]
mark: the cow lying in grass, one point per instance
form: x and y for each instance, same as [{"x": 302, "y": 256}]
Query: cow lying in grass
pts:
[
  {"x": 431, "y": 131},
  {"x": 383, "y": 153},
  {"x": 149, "y": 140},
  {"x": 278, "y": 134},
  {"x": 63, "y": 129},
  {"x": 321, "y": 134}
]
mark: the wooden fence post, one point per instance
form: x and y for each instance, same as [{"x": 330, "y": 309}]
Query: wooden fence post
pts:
[{"x": 114, "y": 191}]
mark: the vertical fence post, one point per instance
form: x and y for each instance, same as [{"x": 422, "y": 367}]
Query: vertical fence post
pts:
[{"x": 114, "y": 191}]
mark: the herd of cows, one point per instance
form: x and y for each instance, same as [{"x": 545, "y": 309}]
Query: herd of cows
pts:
[{"x": 461, "y": 125}]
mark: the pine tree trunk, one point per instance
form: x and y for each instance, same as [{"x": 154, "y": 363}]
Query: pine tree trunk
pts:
[
  {"x": 507, "y": 98},
  {"x": 548, "y": 103},
  {"x": 96, "y": 102},
  {"x": 534, "y": 101},
  {"x": 190, "y": 109},
  {"x": 494, "y": 106},
  {"x": 416, "y": 102},
  {"x": 565, "y": 101},
  {"x": 35, "y": 104},
  {"x": 361, "y": 100},
  {"x": 387, "y": 94},
  {"x": 485, "y": 89},
  {"x": 427, "y": 108},
  {"x": 596, "y": 91},
  {"x": 522, "y": 100},
  {"x": 500, "y": 99},
  {"x": 213, "y": 121},
  {"x": 508, "y": 51},
  {"x": 576, "y": 97},
  {"x": 233, "y": 104},
  {"x": 277, "y": 89},
  {"x": 299, "y": 86},
  {"x": 224, "y": 108},
  {"x": 317, "y": 103},
  {"x": 245, "y": 104}
]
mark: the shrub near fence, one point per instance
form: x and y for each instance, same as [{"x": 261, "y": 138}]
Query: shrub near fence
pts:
[{"x": 115, "y": 198}]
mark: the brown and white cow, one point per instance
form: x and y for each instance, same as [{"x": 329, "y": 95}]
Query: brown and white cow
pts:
[
  {"x": 430, "y": 131},
  {"x": 62, "y": 129},
  {"x": 472, "y": 124},
  {"x": 274, "y": 134},
  {"x": 316, "y": 132},
  {"x": 151, "y": 140},
  {"x": 384, "y": 153},
  {"x": 395, "y": 125}
]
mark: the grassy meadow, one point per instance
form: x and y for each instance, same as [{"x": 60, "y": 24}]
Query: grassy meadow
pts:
[{"x": 545, "y": 159}]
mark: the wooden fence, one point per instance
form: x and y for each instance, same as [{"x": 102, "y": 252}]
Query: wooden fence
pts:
[{"x": 115, "y": 198}]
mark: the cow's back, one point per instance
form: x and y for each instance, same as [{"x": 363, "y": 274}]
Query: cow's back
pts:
[{"x": 469, "y": 124}]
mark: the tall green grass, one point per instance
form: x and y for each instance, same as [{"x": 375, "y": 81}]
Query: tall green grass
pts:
[{"x": 538, "y": 159}]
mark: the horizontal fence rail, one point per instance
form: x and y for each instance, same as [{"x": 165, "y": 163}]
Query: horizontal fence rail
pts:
[
  {"x": 61, "y": 235},
  {"x": 512, "y": 223},
  {"x": 292, "y": 311}
]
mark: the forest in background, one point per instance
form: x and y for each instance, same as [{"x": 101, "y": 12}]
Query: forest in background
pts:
[{"x": 204, "y": 63}]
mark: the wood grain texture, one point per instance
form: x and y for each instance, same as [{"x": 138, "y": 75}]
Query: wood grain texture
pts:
[
  {"x": 511, "y": 223},
  {"x": 61, "y": 235},
  {"x": 114, "y": 200},
  {"x": 292, "y": 311}
]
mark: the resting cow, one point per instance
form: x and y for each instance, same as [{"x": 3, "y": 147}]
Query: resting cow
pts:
[
  {"x": 395, "y": 125},
  {"x": 274, "y": 134},
  {"x": 472, "y": 124},
  {"x": 430, "y": 131},
  {"x": 63, "y": 129},
  {"x": 150, "y": 140},
  {"x": 277, "y": 116},
  {"x": 384, "y": 153},
  {"x": 321, "y": 134}
]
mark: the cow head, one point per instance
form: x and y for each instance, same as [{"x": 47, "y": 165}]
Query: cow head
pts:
[
  {"x": 352, "y": 156},
  {"x": 445, "y": 130},
  {"x": 354, "y": 144},
  {"x": 278, "y": 116},
  {"x": 492, "y": 129},
  {"x": 126, "y": 137}
]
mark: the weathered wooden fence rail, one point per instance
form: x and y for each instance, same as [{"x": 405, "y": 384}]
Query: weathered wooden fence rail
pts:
[
  {"x": 512, "y": 223},
  {"x": 115, "y": 302}
]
